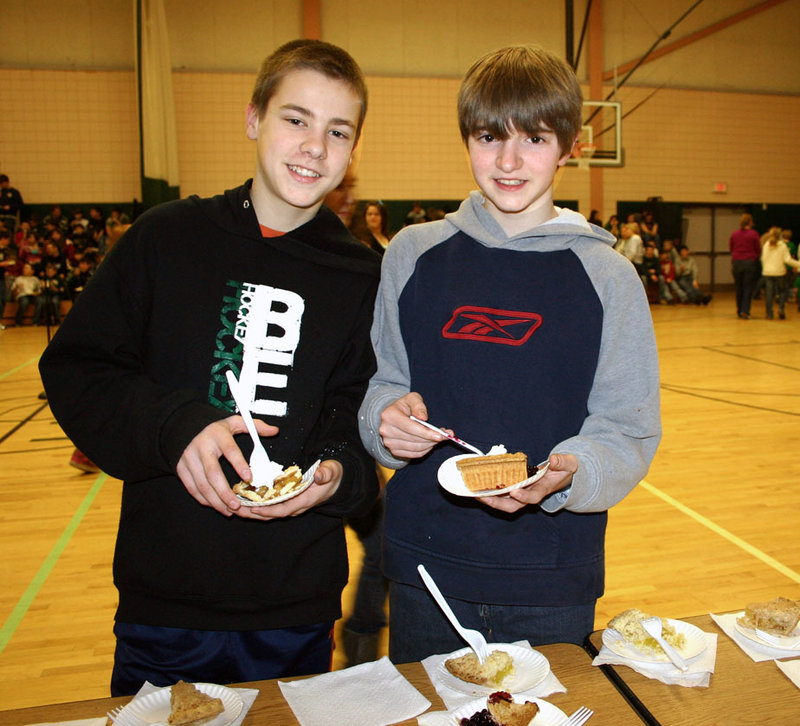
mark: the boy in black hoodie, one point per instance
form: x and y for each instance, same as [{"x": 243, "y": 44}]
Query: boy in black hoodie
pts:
[{"x": 264, "y": 281}]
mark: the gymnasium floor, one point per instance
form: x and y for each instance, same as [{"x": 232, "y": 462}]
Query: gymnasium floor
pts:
[{"x": 713, "y": 527}]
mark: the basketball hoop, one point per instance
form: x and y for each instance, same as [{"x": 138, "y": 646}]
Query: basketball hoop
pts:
[{"x": 584, "y": 153}]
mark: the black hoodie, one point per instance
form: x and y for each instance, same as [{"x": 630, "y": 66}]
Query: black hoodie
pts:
[{"x": 137, "y": 369}]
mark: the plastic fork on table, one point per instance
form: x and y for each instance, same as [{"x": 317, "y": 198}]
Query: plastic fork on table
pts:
[
  {"x": 653, "y": 627},
  {"x": 118, "y": 718},
  {"x": 580, "y": 717},
  {"x": 474, "y": 639},
  {"x": 264, "y": 469},
  {"x": 782, "y": 642}
]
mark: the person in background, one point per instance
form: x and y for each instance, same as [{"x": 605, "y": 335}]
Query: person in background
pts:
[
  {"x": 506, "y": 307},
  {"x": 265, "y": 282},
  {"x": 775, "y": 258},
  {"x": 668, "y": 274},
  {"x": 652, "y": 274},
  {"x": 632, "y": 247},
  {"x": 342, "y": 200},
  {"x": 613, "y": 226},
  {"x": 79, "y": 277},
  {"x": 649, "y": 230},
  {"x": 595, "y": 218},
  {"x": 53, "y": 290},
  {"x": 417, "y": 214},
  {"x": 375, "y": 233},
  {"x": 745, "y": 248},
  {"x": 27, "y": 291},
  {"x": 686, "y": 275},
  {"x": 10, "y": 205},
  {"x": 8, "y": 263}
]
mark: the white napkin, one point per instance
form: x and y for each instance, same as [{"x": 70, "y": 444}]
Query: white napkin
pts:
[
  {"x": 370, "y": 694},
  {"x": 248, "y": 697},
  {"x": 757, "y": 651},
  {"x": 99, "y": 721},
  {"x": 454, "y": 699},
  {"x": 791, "y": 669},
  {"x": 699, "y": 673}
]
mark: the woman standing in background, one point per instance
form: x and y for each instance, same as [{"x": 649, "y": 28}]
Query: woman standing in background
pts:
[
  {"x": 374, "y": 228},
  {"x": 745, "y": 246}
]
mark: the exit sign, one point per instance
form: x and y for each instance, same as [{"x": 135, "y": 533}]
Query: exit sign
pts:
[{"x": 720, "y": 188}]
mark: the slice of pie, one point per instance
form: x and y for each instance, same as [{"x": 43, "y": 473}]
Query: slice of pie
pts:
[
  {"x": 494, "y": 471},
  {"x": 190, "y": 706}
]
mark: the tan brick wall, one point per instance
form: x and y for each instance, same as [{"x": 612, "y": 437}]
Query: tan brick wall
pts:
[{"x": 82, "y": 144}]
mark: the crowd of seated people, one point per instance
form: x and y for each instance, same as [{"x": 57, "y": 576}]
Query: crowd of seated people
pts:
[
  {"x": 668, "y": 271},
  {"x": 46, "y": 261}
]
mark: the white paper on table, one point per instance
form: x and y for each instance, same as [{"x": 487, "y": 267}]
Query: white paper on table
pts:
[
  {"x": 791, "y": 669},
  {"x": 369, "y": 694},
  {"x": 756, "y": 651},
  {"x": 698, "y": 675}
]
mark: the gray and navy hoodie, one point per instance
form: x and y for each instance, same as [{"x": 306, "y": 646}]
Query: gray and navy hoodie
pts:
[{"x": 542, "y": 342}]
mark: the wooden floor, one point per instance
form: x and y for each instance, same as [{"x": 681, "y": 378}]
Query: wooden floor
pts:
[{"x": 713, "y": 527}]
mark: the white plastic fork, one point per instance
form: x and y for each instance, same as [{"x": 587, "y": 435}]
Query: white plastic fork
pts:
[
  {"x": 117, "y": 717},
  {"x": 580, "y": 717},
  {"x": 474, "y": 639},
  {"x": 782, "y": 642},
  {"x": 454, "y": 439},
  {"x": 264, "y": 469},
  {"x": 653, "y": 627}
]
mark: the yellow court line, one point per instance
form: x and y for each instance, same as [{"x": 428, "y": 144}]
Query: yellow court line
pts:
[
  {"x": 18, "y": 368},
  {"x": 722, "y": 532}
]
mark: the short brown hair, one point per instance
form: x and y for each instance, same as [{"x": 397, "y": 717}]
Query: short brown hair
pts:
[
  {"x": 312, "y": 55},
  {"x": 523, "y": 86}
]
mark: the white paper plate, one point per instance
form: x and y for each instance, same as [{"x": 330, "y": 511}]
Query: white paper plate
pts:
[
  {"x": 305, "y": 483},
  {"x": 695, "y": 644},
  {"x": 451, "y": 480},
  {"x": 549, "y": 715},
  {"x": 782, "y": 642},
  {"x": 530, "y": 669},
  {"x": 154, "y": 707}
]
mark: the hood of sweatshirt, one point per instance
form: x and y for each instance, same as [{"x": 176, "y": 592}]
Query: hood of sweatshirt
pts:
[
  {"x": 323, "y": 238},
  {"x": 560, "y": 232}
]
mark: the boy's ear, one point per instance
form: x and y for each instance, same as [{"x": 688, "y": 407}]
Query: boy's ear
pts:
[
  {"x": 252, "y": 122},
  {"x": 563, "y": 159}
]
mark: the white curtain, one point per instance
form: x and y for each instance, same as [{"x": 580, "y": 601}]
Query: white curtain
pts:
[{"x": 158, "y": 136}]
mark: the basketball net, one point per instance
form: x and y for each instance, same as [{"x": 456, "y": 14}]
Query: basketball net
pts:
[{"x": 584, "y": 153}]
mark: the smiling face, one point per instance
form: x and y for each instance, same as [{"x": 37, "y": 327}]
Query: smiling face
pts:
[
  {"x": 304, "y": 141},
  {"x": 516, "y": 175}
]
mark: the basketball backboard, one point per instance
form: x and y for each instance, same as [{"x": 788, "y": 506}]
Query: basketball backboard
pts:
[{"x": 600, "y": 138}]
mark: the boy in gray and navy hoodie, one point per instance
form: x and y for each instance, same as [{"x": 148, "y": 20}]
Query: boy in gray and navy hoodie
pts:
[{"x": 509, "y": 322}]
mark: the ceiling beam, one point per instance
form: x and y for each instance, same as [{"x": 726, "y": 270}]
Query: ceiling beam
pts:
[{"x": 693, "y": 37}]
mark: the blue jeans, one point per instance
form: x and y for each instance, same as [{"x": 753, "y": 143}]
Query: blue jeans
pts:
[
  {"x": 418, "y": 628},
  {"x": 24, "y": 302},
  {"x": 166, "y": 655},
  {"x": 745, "y": 275},
  {"x": 775, "y": 287}
]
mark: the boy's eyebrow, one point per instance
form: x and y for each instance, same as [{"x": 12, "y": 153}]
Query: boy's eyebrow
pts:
[{"x": 302, "y": 110}]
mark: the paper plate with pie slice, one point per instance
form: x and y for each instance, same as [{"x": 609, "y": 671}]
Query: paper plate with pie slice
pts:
[
  {"x": 694, "y": 644},
  {"x": 278, "y": 494},
  {"x": 451, "y": 480},
  {"x": 154, "y": 708},
  {"x": 530, "y": 669},
  {"x": 789, "y": 642},
  {"x": 549, "y": 715}
]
